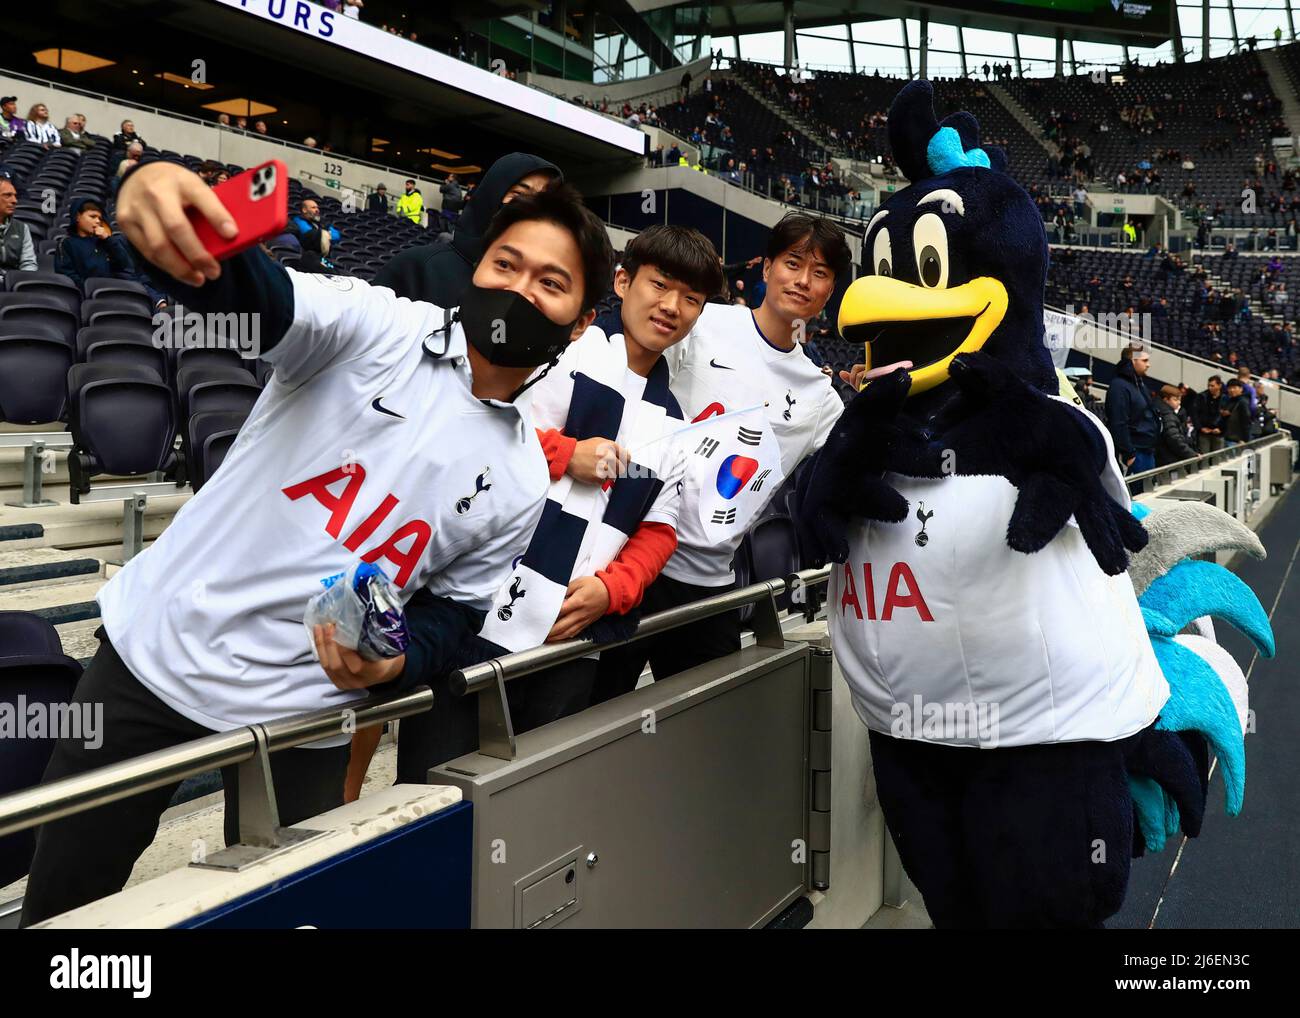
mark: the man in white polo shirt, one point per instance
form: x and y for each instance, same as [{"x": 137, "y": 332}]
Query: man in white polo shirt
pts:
[
  {"x": 388, "y": 433},
  {"x": 737, "y": 358}
]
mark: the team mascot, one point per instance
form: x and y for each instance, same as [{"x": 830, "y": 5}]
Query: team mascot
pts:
[{"x": 1032, "y": 724}]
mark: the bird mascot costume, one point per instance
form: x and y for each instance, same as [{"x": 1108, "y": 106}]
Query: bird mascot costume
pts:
[{"x": 1042, "y": 704}]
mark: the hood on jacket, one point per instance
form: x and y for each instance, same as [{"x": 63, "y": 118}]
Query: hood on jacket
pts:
[
  {"x": 76, "y": 207},
  {"x": 1127, "y": 372},
  {"x": 467, "y": 238}
]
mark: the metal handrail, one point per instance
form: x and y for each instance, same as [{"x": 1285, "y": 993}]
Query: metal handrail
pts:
[
  {"x": 44, "y": 803},
  {"x": 1203, "y": 461},
  {"x": 481, "y": 677}
]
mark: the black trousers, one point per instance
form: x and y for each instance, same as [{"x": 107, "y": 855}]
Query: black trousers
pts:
[
  {"x": 671, "y": 652},
  {"x": 450, "y": 727},
  {"x": 90, "y": 855},
  {"x": 1030, "y": 837}
]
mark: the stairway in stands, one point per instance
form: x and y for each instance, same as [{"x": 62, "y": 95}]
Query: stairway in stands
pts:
[
  {"x": 1022, "y": 116},
  {"x": 1280, "y": 80}
]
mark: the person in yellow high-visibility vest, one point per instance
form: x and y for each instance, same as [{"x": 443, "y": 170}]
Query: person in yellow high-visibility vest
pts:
[{"x": 411, "y": 204}]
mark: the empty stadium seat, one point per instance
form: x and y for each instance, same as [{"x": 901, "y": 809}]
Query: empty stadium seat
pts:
[
  {"x": 59, "y": 288},
  {"x": 88, "y": 335},
  {"x": 202, "y": 388},
  {"x": 122, "y": 422},
  {"x": 209, "y": 436},
  {"x": 774, "y": 551},
  {"x": 123, "y": 301},
  {"x": 34, "y": 667},
  {"x": 39, "y": 313},
  {"x": 33, "y": 373},
  {"x": 128, "y": 349}
]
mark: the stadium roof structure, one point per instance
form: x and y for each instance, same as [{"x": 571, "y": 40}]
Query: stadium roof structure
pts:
[{"x": 1082, "y": 20}]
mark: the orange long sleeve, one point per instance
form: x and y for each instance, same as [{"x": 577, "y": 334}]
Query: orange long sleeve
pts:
[
  {"x": 558, "y": 448},
  {"x": 637, "y": 565}
]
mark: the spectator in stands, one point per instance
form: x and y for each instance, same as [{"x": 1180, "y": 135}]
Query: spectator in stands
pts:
[
  {"x": 11, "y": 124},
  {"x": 1171, "y": 447},
  {"x": 411, "y": 203},
  {"x": 92, "y": 249},
  {"x": 309, "y": 141},
  {"x": 316, "y": 239},
  {"x": 208, "y": 170},
  {"x": 453, "y": 196},
  {"x": 734, "y": 353},
  {"x": 134, "y": 152},
  {"x": 1235, "y": 414},
  {"x": 241, "y": 123},
  {"x": 1130, "y": 414},
  {"x": 73, "y": 133},
  {"x": 223, "y": 119},
  {"x": 238, "y": 656},
  {"x": 126, "y": 136},
  {"x": 16, "y": 248},
  {"x": 1207, "y": 418},
  {"x": 441, "y": 271},
  {"x": 378, "y": 200},
  {"x": 259, "y": 127},
  {"x": 352, "y": 8},
  {"x": 39, "y": 130},
  {"x": 1243, "y": 375}
]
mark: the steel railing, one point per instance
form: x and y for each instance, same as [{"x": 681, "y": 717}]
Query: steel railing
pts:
[
  {"x": 249, "y": 748},
  {"x": 1149, "y": 480}
]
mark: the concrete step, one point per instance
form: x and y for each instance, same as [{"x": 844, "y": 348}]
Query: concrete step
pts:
[
  {"x": 81, "y": 526},
  {"x": 51, "y": 566},
  {"x": 78, "y": 638},
  {"x": 57, "y": 602}
]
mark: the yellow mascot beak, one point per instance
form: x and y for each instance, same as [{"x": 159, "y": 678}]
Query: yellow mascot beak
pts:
[{"x": 928, "y": 326}]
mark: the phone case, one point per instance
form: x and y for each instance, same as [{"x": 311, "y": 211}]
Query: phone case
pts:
[{"x": 258, "y": 201}]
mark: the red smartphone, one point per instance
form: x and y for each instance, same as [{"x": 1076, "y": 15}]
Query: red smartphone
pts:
[{"x": 258, "y": 201}]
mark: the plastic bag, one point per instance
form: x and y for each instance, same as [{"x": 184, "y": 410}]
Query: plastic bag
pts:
[{"x": 365, "y": 608}]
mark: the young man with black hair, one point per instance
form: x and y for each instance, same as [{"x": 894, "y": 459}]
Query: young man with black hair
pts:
[
  {"x": 737, "y": 358},
  {"x": 389, "y": 432},
  {"x": 609, "y": 426}
]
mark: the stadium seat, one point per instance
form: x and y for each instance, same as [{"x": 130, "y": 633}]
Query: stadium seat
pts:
[
  {"x": 107, "y": 286},
  {"x": 209, "y": 436},
  {"x": 117, "y": 301},
  {"x": 215, "y": 357},
  {"x": 88, "y": 335},
  {"x": 127, "y": 348},
  {"x": 32, "y": 666},
  {"x": 122, "y": 422},
  {"x": 33, "y": 371},
  {"x": 742, "y": 565},
  {"x": 39, "y": 313},
  {"x": 774, "y": 550},
  {"x": 58, "y": 288},
  {"x": 202, "y": 388}
]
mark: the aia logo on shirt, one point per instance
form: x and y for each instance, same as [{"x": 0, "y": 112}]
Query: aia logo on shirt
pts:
[
  {"x": 403, "y": 547},
  {"x": 902, "y": 592}
]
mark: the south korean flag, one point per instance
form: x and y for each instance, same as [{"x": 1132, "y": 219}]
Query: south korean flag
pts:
[{"x": 735, "y": 465}]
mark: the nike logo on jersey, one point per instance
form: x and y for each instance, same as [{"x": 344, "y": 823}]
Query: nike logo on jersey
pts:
[
  {"x": 713, "y": 363},
  {"x": 376, "y": 405}
]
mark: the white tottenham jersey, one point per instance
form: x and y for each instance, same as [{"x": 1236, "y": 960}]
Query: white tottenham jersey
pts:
[
  {"x": 725, "y": 364},
  {"x": 367, "y": 443},
  {"x": 946, "y": 635},
  {"x": 591, "y": 393}
]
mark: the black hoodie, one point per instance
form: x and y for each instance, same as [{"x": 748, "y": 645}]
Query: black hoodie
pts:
[{"x": 440, "y": 273}]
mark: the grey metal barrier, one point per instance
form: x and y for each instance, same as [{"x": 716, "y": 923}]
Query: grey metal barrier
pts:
[
  {"x": 260, "y": 833},
  {"x": 1149, "y": 480}
]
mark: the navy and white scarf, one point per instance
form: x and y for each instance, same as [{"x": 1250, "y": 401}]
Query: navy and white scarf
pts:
[{"x": 591, "y": 393}]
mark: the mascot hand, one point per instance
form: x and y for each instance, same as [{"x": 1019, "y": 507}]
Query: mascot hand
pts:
[
  {"x": 1057, "y": 459},
  {"x": 845, "y": 480}
]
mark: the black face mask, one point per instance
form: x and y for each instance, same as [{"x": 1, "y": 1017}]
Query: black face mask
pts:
[{"x": 509, "y": 331}]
